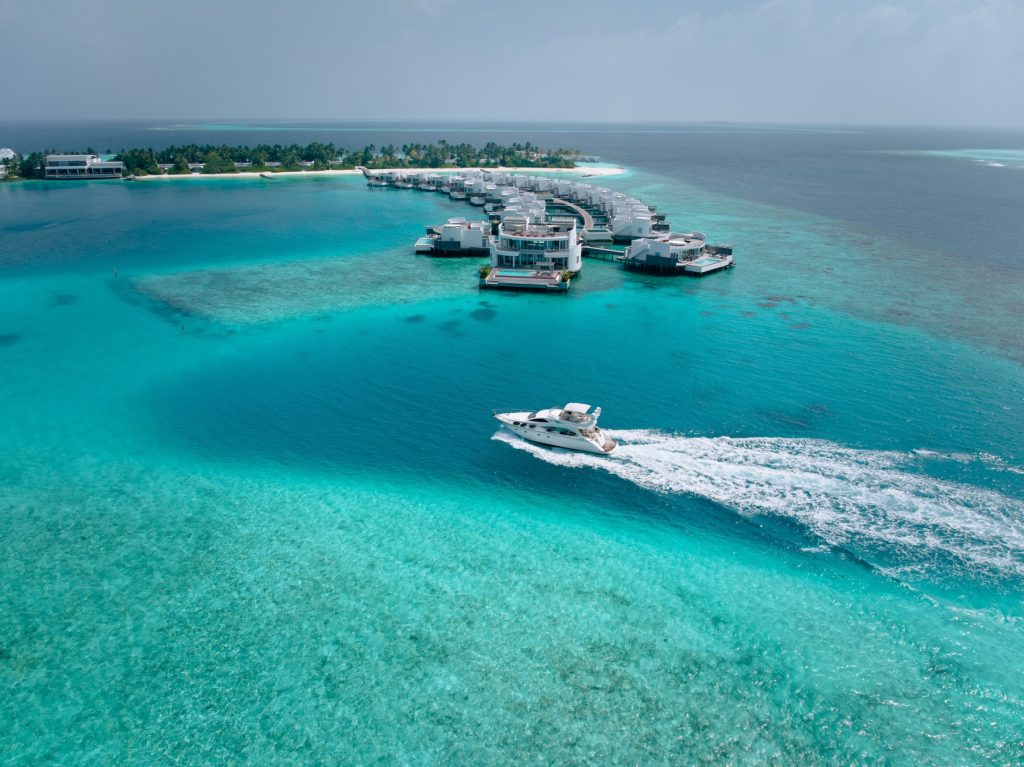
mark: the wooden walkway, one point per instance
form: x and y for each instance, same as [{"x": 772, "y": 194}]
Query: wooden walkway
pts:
[
  {"x": 601, "y": 254},
  {"x": 588, "y": 220}
]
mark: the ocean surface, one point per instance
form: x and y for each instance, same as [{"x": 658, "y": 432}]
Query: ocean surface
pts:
[{"x": 254, "y": 509}]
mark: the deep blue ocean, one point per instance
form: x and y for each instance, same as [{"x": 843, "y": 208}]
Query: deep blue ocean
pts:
[{"x": 254, "y": 509}]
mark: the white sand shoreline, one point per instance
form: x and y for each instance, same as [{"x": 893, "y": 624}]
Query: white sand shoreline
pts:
[{"x": 582, "y": 170}]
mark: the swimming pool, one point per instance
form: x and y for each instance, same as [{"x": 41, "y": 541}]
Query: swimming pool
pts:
[
  {"x": 705, "y": 262},
  {"x": 516, "y": 272}
]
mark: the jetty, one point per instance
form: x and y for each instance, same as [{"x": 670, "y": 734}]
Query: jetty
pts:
[{"x": 582, "y": 214}]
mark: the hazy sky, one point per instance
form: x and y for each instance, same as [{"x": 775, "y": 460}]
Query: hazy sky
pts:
[{"x": 957, "y": 62}]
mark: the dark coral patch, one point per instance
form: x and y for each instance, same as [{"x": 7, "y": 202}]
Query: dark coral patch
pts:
[
  {"x": 791, "y": 420},
  {"x": 64, "y": 299},
  {"x": 483, "y": 315}
]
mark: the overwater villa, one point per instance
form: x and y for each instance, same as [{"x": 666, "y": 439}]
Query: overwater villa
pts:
[
  {"x": 456, "y": 237},
  {"x": 530, "y": 255},
  {"x": 522, "y": 243},
  {"x": 457, "y": 188},
  {"x": 677, "y": 254},
  {"x": 541, "y": 228}
]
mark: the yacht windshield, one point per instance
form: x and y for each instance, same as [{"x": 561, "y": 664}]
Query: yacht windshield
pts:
[{"x": 565, "y": 415}]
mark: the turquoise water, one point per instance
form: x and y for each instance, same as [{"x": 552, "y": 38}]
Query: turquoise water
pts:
[{"x": 254, "y": 508}]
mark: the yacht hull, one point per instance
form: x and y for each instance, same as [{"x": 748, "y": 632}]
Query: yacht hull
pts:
[{"x": 555, "y": 437}]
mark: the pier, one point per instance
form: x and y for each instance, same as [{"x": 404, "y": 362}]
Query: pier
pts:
[{"x": 602, "y": 254}]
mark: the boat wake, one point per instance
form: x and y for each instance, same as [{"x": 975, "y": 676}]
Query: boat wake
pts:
[{"x": 867, "y": 502}]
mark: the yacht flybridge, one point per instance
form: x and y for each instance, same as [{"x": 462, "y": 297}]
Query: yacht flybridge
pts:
[{"x": 573, "y": 427}]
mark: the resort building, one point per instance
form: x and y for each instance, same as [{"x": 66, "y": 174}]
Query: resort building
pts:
[
  {"x": 6, "y": 155},
  {"x": 82, "y": 166},
  {"x": 540, "y": 229},
  {"x": 677, "y": 253},
  {"x": 523, "y": 244},
  {"x": 457, "y": 237},
  {"x": 524, "y": 205}
]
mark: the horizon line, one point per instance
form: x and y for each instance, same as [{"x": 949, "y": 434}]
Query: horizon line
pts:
[{"x": 441, "y": 123}]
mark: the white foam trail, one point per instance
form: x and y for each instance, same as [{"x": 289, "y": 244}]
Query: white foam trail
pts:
[{"x": 864, "y": 499}]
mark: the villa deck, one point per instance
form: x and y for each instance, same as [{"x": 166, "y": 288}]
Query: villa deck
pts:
[{"x": 524, "y": 279}]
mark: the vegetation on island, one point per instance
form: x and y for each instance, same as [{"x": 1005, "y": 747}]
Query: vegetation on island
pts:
[
  {"x": 208, "y": 158},
  {"x": 11, "y": 169}
]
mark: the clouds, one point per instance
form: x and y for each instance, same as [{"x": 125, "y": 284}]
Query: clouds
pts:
[{"x": 931, "y": 61}]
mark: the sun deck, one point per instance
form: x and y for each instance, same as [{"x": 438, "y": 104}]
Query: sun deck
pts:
[
  {"x": 528, "y": 279},
  {"x": 707, "y": 264}
]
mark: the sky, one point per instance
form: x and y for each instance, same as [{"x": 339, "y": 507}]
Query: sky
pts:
[{"x": 920, "y": 62}]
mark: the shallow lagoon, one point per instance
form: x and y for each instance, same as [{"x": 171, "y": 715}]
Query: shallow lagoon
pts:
[{"x": 271, "y": 523}]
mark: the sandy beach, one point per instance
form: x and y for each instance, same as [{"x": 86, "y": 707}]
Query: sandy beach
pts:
[{"x": 579, "y": 170}]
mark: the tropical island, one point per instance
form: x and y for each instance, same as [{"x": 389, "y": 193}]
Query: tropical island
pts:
[{"x": 190, "y": 159}]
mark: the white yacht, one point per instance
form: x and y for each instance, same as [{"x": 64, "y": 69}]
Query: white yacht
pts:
[{"x": 573, "y": 426}]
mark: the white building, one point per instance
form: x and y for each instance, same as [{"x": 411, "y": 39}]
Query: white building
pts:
[
  {"x": 630, "y": 225},
  {"x": 6, "y": 155},
  {"x": 677, "y": 253},
  {"x": 82, "y": 166},
  {"x": 525, "y": 205},
  {"x": 460, "y": 236},
  {"x": 523, "y": 244},
  {"x": 667, "y": 251}
]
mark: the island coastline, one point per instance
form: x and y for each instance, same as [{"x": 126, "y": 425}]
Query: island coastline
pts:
[{"x": 584, "y": 170}]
